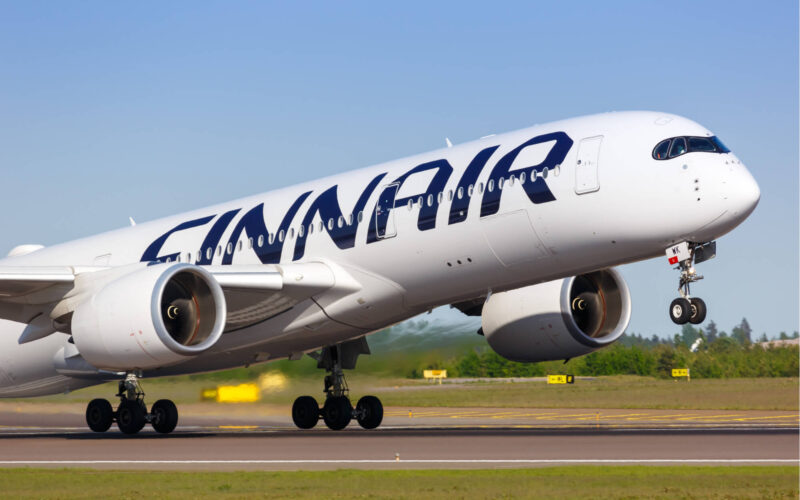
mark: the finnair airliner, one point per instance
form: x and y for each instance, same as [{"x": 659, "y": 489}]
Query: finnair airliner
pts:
[{"x": 523, "y": 229}]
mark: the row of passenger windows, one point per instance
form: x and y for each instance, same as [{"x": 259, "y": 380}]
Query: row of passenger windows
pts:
[
  {"x": 342, "y": 221},
  {"x": 676, "y": 146}
]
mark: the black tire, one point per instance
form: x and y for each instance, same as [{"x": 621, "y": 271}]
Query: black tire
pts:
[
  {"x": 679, "y": 311},
  {"x": 370, "y": 412},
  {"x": 130, "y": 416},
  {"x": 305, "y": 412},
  {"x": 165, "y": 416},
  {"x": 337, "y": 412},
  {"x": 699, "y": 311},
  {"x": 99, "y": 415}
]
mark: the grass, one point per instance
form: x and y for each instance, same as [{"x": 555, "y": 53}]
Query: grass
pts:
[
  {"x": 601, "y": 392},
  {"x": 671, "y": 483},
  {"x": 613, "y": 392}
]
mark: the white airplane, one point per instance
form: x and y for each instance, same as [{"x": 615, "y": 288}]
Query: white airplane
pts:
[{"x": 522, "y": 228}]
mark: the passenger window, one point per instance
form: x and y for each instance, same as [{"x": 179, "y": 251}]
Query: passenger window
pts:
[
  {"x": 360, "y": 216},
  {"x": 271, "y": 238},
  {"x": 480, "y": 187},
  {"x": 250, "y": 242},
  {"x": 330, "y": 224},
  {"x": 350, "y": 220},
  {"x": 189, "y": 257},
  {"x": 490, "y": 186},
  {"x": 522, "y": 178},
  {"x": 430, "y": 200},
  {"x": 701, "y": 144},
  {"x": 261, "y": 241},
  {"x": 545, "y": 172},
  {"x": 280, "y": 236},
  {"x": 301, "y": 231},
  {"x": 291, "y": 233},
  {"x": 311, "y": 229},
  {"x": 450, "y": 195},
  {"x": 440, "y": 197},
  {"x": 340, "y": 222},
  {"x": 660, "y": 152},
  {"x": 460, "y": 193},
  {"x": 500, "y": 183},
  {"x": 209, "y": 253},
  {"x": 678, "y": 147},
  {"x": 470, "y": 190}
]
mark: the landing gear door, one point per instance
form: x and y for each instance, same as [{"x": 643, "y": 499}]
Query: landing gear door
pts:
[
  {"x": 384, "y": 213},
  {"x": 586, "y": 179}
]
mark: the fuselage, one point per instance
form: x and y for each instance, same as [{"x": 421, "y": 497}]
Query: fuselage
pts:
[{"x": 495, "y": 214}]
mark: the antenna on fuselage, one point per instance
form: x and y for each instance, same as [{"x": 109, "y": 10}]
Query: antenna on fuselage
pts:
[
  {"x": 449, "y": 144},
  {"x": 133, "y": 222}
]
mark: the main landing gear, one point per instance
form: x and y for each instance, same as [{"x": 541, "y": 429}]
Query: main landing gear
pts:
[
  {"x": 131, "y": 415},
  {"x": 337, "y": 411},
  {"x": 688, "y": 309}
]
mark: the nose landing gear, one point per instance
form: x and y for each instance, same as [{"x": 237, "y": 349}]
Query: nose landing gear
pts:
[
  {"x": 688, "y": 309},
  {"x": 337, "y": 412},
  {"x": 131, "y": 415}
]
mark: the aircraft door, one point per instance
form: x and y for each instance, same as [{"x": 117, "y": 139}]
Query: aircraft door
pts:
[
  {"x": 385, "y": 226},
  {"x": 586, "y": 179}
]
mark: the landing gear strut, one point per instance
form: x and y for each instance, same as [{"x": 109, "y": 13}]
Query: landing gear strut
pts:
[
  {"x": 131, "y": 415},
  {"x": 688, "y": 309},
  {"x": 337, "y": 412}
]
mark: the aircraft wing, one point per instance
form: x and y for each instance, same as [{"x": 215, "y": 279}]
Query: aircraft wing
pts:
[{"x": 40, "y": 296}]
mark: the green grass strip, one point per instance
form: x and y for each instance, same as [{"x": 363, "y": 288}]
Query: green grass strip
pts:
[{"x": 593, "y": 482}]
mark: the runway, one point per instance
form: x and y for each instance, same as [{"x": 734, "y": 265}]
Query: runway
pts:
[{"x": 262, "y": 438}]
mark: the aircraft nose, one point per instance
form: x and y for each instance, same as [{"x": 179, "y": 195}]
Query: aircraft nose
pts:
[{"x": 745, "y": 195}]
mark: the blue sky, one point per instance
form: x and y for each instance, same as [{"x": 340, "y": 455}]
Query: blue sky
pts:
[{"x": 109, "y": 110}]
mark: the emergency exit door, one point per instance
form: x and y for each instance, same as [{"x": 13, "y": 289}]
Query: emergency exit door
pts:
[{"x": 586, "y": 178}]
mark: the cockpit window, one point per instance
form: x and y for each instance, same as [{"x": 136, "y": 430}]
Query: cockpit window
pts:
[
  {"x": 722, "y": 148},
  {"x": 660, "y": 152},
  {"x": 701, "y": 144},
  {"x": 677, "y": 146}
]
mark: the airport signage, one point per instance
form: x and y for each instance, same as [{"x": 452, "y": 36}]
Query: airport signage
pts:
[
  {"x": 680, "y": 372},
  {"x": 242, "y": 393},
  {"x": 561, "y": 379},
  {"x": 435, "y": 374}
]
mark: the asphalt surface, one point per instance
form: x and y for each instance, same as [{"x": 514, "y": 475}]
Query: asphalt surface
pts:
[{"x": 212, "y": 438}]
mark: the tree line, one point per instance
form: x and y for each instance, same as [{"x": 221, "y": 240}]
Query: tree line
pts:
[{"x": 708, "y": 353}]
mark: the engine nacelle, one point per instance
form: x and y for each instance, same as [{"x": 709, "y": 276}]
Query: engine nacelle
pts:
[
  {"x": 156, "y": 316},
  {"x": 559, "y": 319}
]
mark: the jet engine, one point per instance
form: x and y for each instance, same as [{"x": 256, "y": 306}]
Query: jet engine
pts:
[
  {"x": 559, "y": 319},
  {"x": 156, "y": 316}
]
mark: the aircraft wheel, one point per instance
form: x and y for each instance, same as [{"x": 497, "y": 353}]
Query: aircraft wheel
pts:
[
  {"x": 165, "y": 416},
  {"x": 699, "y": 311},
  {"x": 99, "y": 415},
  {"x": 130, "y": 416},
  {"x": 305, "y": 412},
  {"x": 680, "y": 310},
  {"x": 370, "y": 412},
  {"x": 337, "y": 412}
]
